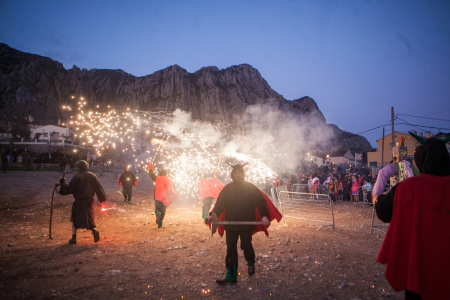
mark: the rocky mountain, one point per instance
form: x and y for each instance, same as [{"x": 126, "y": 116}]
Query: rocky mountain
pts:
[{"x": 32, "y": 85}]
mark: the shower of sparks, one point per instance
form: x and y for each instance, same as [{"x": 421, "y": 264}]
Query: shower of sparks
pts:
[
  {"x": 143, "y": 137},
  {"x": 105, "y": 208}
]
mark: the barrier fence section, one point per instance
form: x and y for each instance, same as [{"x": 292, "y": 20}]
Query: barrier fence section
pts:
[
  {"x": 300, "y": 188},
  {"x": 376, "y": 225},
  {"x": 274, "y": 197},
  {"x": 307, "y": 206},
  {"x": 275, "y": 190}
]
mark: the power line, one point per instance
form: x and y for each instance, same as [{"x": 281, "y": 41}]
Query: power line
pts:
[
  {"x": 423, "y": 126},
  {"x": 424, "y": 117},
  {"x": 346, "y": 135},
  {"x": 372, "y": 129}
]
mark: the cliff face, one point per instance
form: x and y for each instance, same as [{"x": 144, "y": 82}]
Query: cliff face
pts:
[{"x": 39, "y": 86}]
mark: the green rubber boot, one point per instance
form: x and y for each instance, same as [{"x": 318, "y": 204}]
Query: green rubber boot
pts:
[{"x": 230, "y": 278}]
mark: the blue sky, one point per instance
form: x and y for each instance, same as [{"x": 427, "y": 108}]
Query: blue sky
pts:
[{"x": 356, "y": 59}]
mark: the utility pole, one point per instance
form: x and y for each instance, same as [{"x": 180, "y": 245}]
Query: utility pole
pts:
[
  {"x": 393, "y": 132},
  {"x": 382, "y": 151}
]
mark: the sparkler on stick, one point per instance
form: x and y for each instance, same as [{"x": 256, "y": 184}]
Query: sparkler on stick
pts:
[
  {"x": 104, "y": 208},
  {"x": 191, "y": 153},
  {"x": 220, "y": 160},
  {"x": 159, "y": 148}
]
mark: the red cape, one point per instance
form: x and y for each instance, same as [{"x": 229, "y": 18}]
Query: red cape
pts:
[
  {"x": 416, "y": 248},
  {"x": 210, "y": 187},
  {"x": 273, "y": 214},
  {"x": 164, "y": 191}
]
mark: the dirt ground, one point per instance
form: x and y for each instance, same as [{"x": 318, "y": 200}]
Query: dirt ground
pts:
[{"x": 135, "y": 260}]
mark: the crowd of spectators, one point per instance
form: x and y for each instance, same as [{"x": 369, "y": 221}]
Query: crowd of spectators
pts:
[{"x": 341, "y": 183}]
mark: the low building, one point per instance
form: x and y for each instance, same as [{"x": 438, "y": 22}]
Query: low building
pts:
[
  {"x": 54, "y": 135},
  {"x": 380, "y": 158},
  {"x": 342, "y": 158},
  {"x": 52, "y": 132}
]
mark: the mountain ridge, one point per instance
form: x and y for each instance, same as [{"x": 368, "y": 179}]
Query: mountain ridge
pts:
[{"x": 38, "y": 86}]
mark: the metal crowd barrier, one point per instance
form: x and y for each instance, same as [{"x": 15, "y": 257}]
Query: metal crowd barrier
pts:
[
  {"x": 300, "y": 188},
  {"x": 311, "y": 205},
  {"x": 274, "y": 197},
  {"x": 376, "y": 226}
]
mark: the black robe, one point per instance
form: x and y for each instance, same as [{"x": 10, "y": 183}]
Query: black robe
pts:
[
  {"x": 238, "y": 199},
  {"x": 84, "y": 185}
]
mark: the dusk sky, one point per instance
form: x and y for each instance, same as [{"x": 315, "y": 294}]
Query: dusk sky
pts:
[{"x": 356, "y": 59}]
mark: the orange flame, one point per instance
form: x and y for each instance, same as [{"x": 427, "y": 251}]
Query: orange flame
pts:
[{"x": 103, "y": 208}]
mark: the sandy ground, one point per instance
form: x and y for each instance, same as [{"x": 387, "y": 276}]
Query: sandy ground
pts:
[{"x": 135, "y": 260}]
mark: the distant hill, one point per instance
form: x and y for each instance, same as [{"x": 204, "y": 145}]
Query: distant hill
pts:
[{"x": 32, "y": 85}]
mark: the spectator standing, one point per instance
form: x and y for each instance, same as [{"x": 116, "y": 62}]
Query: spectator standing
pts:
[
  {"x": 354, "y": 189},
  {"x": 341, "y": 189},
  {"x": 417, "y": 243},
  {"x": 367, "y": 188},
  {"x": 311, "y": 187}
]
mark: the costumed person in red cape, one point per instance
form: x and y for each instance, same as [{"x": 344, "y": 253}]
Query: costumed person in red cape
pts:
[
  {"x": 241, "y": 201},
  {"x": 416, "y": 248},
  {"x": 164, "y": 193},
  {"x": 209, "y": 187},
  {"x": 126, "y": 181},
  {"x": 83, "y": 185}
]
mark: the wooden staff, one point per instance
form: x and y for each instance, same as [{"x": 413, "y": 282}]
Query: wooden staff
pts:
[
  {"x": 157, "y": 151},
  {"x": 51, "y": 207},
  {"x": 220, "y": 160},
  {"x": 215, "y": 223}
]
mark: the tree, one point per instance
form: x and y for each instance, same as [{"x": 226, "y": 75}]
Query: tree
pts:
[
  {"x": 142, "y": 139},
  {"x": 66, "y": 136},
  {"x": 19, "y": 130}
]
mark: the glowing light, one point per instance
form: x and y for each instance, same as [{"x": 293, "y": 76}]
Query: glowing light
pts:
[
  {"x": 104, "y": 208},
  {"x": 187, "y": 155}
]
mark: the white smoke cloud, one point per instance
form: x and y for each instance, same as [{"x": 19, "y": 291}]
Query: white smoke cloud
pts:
[
  {"x": 277, "y": 138},
  {"x": 280, "y": 138}
]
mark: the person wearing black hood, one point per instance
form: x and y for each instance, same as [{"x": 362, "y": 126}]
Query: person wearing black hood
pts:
[
  {"x": 126, "y": 181},
  {"x": 417, "y": 244},
  {"x": 84, "y": 185},
  {"x": 238, "y": 199}
]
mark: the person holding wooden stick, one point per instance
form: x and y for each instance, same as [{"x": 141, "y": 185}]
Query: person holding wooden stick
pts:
[
  {"x": 164, "y": 193},
  {"x": 241, "y": 202},
  {"x": 84, "y": 185}
]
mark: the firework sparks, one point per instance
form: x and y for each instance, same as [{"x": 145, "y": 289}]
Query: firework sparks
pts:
[{"x": 188, "y": 154}]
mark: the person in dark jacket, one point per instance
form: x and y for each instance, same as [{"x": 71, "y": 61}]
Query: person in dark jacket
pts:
[
  {"x": 84, "y": 185},
  {"x": 127, "y": 180},
  {"x": 238, "y": 199}
]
